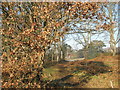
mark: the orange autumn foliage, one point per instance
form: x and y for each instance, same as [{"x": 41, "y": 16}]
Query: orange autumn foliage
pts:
[{"x": 28, "y": 30}]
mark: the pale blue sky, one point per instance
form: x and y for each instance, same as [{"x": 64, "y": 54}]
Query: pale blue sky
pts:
[{"x": 103, "y": 37}]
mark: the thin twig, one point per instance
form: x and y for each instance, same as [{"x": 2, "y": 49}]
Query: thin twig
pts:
[{"x": 111, "y": 84}]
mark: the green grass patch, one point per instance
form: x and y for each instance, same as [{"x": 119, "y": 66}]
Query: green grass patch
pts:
[
  {"x": 50, "y": 70},
  {"x": 96, "y": 77}
]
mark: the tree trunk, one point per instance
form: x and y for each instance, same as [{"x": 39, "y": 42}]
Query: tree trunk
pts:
[
  {"x": 57, "y": 52},
  {"x": 57, "y": 58},
  {"x": 112, "y": 43},
  {"x": 111, "y": 31},
  {"x": 85, "y": 53},
  {"x": 40, "y": 69},
  {"x": 52, "y": 56}
]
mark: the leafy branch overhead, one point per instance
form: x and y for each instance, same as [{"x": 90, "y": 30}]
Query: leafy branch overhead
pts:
[{"x": 28, "y": 29}]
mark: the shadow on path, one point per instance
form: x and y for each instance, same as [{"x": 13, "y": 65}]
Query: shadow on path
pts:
[{"x": 81, "y": 73}]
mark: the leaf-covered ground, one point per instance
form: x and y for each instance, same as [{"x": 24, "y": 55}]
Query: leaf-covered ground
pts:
[{"x": 100, "y": 72}]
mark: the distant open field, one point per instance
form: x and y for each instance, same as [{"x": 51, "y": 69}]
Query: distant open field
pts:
[{"x": 76, "y": 59}]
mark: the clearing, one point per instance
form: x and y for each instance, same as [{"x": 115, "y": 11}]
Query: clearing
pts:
[{"x": 100, "y": 72}]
